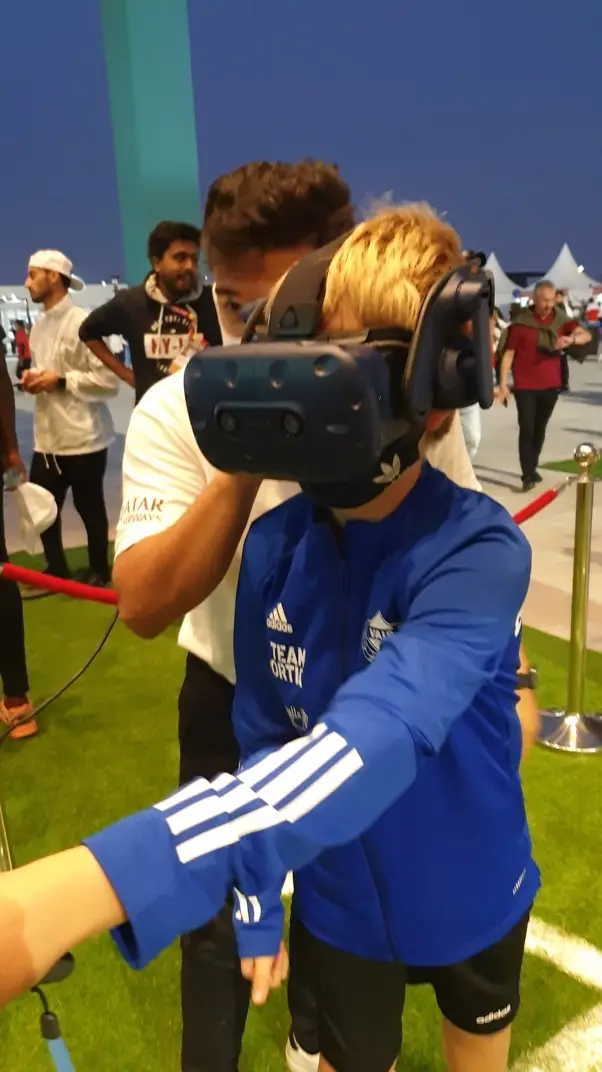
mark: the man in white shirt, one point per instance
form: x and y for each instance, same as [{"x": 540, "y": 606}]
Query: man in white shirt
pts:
[
  {"x": 178, "y": 548},
  {"x": 72, "y": 423}
]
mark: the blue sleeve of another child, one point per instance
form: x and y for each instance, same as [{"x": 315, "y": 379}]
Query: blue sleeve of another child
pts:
[{"x": 172, "y": 866}]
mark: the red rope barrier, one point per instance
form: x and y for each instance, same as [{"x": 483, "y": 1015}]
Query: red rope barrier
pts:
[
  {"x": 57, "y": 584},
  {"x": 542, "y": 500},
  {"x": 106, "y": 595}
]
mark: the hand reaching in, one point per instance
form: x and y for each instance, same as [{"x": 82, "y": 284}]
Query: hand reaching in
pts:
[{"x": 265, "y": 974}]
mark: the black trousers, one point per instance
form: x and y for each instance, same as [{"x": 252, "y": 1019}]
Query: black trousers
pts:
[
  {"x": 215, "y": 997},
  {"x": 534, "y": 411},
  {"x": 13, "y": 664},
  {"x": 84, "y": 474}
]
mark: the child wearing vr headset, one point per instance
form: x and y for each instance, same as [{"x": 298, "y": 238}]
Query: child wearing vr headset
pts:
[{"x": 377, "y": 649}]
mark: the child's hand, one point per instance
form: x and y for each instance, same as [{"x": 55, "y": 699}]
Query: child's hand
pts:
[{"x": 265, "y": 974}]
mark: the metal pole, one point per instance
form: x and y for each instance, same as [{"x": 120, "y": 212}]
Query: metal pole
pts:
[
  {"x": 586, "y": 457},
  {"x": 572, "y": 730},
  {"x": 6, "y": 860}
]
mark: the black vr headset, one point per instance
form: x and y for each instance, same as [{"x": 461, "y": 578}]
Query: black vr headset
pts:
[{"x": 292, "y": 404}]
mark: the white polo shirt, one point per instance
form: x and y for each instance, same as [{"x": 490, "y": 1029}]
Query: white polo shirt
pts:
[{"x": 164, "y": 473}]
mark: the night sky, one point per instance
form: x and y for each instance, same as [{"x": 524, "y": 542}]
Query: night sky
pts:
[{"x": 489, "y": 111}]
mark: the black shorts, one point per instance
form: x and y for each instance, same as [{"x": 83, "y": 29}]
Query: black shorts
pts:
[{"x": 361, "y": 1001}]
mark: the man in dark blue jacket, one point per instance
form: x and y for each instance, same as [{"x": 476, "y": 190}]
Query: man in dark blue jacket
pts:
[{"x": 376, "y": 645}]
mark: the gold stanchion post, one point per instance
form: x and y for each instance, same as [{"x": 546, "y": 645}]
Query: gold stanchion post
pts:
[
  {"x": 572, "y": 730},
  {"x": 6, "y": 860}
]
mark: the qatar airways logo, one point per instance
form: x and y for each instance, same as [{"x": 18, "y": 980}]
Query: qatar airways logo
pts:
[{"x": 140, "y": 508}]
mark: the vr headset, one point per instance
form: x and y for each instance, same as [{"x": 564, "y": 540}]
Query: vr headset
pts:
[{"x": 290, "y": 403}]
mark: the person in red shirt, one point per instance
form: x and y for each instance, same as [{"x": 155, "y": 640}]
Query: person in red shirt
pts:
[
  {"x": 22, "y": 348},
  {"x": 534, "y": 348}
]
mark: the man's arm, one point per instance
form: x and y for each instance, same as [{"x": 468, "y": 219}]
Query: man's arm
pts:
[
  {"x": 88, "y": 378},
  {"x": 527, "y": 709},
  {"x": 177, "y": 533},
  {"x": 85, "y": 378},
  {"x": 507, "y": 362},
  {"x": 103, "y": 322},
  {"x": 577, "y": 336},
  {"x": 102, "y": 353}
]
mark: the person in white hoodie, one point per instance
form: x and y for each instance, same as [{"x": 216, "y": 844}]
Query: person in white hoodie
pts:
[{"x": 72, "y": 424}]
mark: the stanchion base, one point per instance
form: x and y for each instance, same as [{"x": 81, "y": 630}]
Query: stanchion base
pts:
[{"x": 571, "y": 733}]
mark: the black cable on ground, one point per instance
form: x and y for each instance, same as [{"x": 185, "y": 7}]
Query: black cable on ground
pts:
[{"x": 46, "y": 703}]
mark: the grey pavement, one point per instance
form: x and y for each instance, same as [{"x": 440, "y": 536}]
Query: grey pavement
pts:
[{"x": 577, "y": 418}]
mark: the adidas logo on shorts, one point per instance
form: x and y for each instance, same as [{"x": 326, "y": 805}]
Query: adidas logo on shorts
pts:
[
  {"x": 277, "y": 620},
  {"x": 501, "y": 1014}
]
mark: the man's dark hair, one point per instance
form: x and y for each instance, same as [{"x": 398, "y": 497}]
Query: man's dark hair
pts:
[
  {"x": 168, "y": 231},
  {"x": 65, "y": 280},
  {"x": 264, "y": 206}
]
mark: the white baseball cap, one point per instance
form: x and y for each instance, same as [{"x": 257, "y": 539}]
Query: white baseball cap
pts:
[
  {"x": 37, "y": 512},
  {"x": 51, "y": 260}
]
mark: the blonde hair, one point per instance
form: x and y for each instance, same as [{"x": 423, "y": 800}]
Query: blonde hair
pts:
[{"x": 382, "y": 273}]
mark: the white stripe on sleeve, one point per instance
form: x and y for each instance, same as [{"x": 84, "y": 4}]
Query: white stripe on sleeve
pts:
[
  {"x": 303, "y": 768},
  {"x": 242, "y": 912},
  {"x": 270, "y": 763},
  {"x": 194, "y": 789},
  {"x": 266, "y": 817},
  {"x": 209, "y": 808}
]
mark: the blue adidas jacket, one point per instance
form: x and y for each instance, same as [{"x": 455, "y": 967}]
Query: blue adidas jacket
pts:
[{"x": 375, "y": 707}]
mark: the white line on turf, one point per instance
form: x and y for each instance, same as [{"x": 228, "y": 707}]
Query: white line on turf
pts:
[
  {"x": 288, "y": 888},
  {"x": 572, "y": 955},
  {"x": 577, "y": 1048}
]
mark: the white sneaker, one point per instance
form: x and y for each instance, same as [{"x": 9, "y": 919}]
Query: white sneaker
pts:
[{"x": 297, "y": 1060}]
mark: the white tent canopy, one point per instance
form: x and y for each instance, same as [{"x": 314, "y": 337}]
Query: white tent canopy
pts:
[
  {"x": 504, "y": 286},
  {"x": 565, "y": 275}
]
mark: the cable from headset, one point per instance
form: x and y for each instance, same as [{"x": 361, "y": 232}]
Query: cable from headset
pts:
[
  {"x": 23, "y": 719},
  {"x": 51, "y": 1033}
]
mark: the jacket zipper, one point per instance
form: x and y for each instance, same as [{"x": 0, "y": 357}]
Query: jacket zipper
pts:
[
  {"x": 344, "y": 675},
  {"x": 345, "y": 622}
]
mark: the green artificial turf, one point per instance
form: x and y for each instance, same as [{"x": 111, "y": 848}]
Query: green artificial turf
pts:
[
  {"x": 109, "y": 746},
  {"x": 569, "y": 465}
]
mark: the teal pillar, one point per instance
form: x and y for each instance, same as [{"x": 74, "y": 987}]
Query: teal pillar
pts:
[{"x": 147, "y": 49}]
